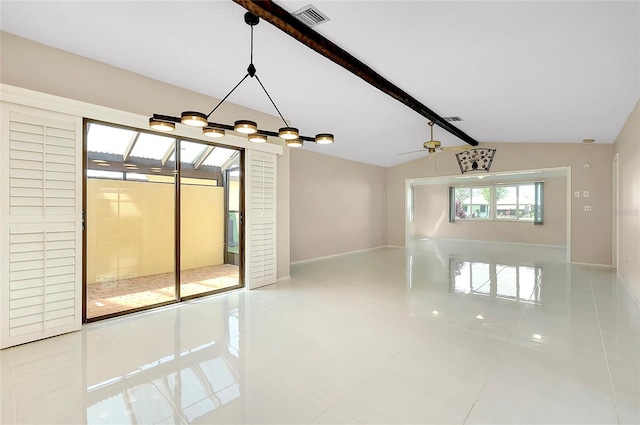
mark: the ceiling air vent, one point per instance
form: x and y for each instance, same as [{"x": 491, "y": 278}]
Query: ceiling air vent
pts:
[
  {"x": 452, "y": 119},
  {"x": 311, "y": 16}
]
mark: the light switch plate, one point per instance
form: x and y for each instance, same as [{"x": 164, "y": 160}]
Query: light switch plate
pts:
[
  {"x": 585, "y": 194},
  {"x": 576, "y": 193}
]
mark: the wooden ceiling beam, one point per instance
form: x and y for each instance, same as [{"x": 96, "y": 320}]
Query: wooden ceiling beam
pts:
[{"x": 283, "y": 20}]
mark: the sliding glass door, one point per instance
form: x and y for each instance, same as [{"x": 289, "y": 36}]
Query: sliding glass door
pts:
[
  {"x": 152, "y": 202},
  {"x": 203, "y": 266}
]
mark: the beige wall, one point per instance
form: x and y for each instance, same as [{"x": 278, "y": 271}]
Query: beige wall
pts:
[
  {"x": 337, "y": 206},
  {"x": 591, "y": 231},
  {"x": 627, "y": 146},
  {"x": 431, "y": 218},
  {"x": 130, "y": 228},
  {"x": 38, "y": 67}
]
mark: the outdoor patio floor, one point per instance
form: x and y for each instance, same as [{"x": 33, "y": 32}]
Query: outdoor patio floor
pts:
[{"x": 125, "y": 294}]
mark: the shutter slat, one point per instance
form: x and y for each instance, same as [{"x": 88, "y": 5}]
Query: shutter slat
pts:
[
  {"x": 25, "y": 302},
  {"x": 26, "y": 145},
  {"x": 26, "y": 311},
  {"x": 20, "y": 164},
  {"x": 25, "y": 330},
  {"x": 24, "y": 127},
  {"x": 60, "y": 168},
  {"x": 61, "y": 296},
  {"x": 56, "y": 282},
  {"x": 60, "y": 159},
  {"x": 18, "y": 285},
  {"x": 26, "y": 155},
  {"x": 26, "y": 293},
  {"x": 63, "y": 321},
  {"x": 26, "y": 265}
]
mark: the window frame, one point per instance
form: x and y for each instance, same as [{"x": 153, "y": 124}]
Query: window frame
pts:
[
  {"x": 490, "y": 215},
  {"x": 537, "y": 206},
  {"x": 516, "y": 217}
]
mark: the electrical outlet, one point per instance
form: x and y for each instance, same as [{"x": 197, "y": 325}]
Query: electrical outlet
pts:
[
  {"x": 576, "y": 193},
  {"x": 585, "y": 194},
  {"x": 587, "y": 207}
]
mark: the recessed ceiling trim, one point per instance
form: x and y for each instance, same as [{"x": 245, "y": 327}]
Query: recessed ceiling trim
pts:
[{"x": 290, "y": 25}]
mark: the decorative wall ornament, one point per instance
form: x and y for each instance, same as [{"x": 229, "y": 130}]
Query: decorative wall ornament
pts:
[{"x": 477, "y": 159}]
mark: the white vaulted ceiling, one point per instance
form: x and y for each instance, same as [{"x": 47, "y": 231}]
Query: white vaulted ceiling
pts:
[{"x": 515, "y": 71}]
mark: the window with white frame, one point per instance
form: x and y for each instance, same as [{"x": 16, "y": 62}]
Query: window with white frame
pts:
[
  {"x": 508, "y": 202},
  {"x": 473, "y": 203}
]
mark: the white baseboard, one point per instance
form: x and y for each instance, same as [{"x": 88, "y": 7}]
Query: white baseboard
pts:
[
  {"x": 604, "y": 266},
  {"x": 537, "y": 245},
  {"x": 280, "y": 279},
  {"x": 394, "y": 246},
  {"x": 310, "y": 260}
]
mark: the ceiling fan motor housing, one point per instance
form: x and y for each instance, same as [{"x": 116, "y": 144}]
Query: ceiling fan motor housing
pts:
[{"x": 432, "y": 144}]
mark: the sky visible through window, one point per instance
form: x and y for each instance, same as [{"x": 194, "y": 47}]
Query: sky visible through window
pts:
[{"x": 105, "y": 139}]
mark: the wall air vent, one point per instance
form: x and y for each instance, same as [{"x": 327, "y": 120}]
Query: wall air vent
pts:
[
  {"x": 452, "y": 119},
  {"x": 310, "y": 15}
]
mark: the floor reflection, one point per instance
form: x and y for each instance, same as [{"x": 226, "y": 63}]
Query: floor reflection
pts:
[
  {"x": 438, "y": 333},
  {"x": 162, "y": 375},
  {"x": 506, "y": 282}
]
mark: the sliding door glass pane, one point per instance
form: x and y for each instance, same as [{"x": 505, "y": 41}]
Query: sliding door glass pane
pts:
[
  {"x": 203, "y": 212},
  {"x": 130, "y": 199}
]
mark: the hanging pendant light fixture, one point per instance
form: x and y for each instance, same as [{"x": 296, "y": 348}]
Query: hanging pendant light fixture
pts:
[{"x": 290, "y": 135}]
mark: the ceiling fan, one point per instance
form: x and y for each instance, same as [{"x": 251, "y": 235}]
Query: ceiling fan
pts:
[{"x": 434, "y": 146}]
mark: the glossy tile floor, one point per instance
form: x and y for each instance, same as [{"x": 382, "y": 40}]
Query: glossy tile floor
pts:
[{"x": 442, "y": 333}]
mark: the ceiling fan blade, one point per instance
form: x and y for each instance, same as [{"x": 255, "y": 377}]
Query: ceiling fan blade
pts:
[
  {"x": 405, "y": 153},
  {"x": 454, "y": 148}
]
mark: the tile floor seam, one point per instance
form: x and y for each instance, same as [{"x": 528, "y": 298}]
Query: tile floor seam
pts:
[
  {"x": 604, "y": 350},
  {"x": 354, "y": 386},
  {"x": 497, "y": 362}
]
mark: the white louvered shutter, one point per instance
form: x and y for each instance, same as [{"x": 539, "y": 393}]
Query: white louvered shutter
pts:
[
  {"x": 260, "y": 225},
  {"x": 41, "y": 240}
]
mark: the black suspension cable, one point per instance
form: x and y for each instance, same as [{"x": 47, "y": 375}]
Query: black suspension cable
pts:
[
  {"x": 229, "y": 94},
  {"x": 272, "y": 102}
]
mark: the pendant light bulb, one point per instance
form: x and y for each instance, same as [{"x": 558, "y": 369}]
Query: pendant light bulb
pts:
[
  {"x": 324, "y": 138},
  {"x": 194, "y": 119},
  {"x": 288, "y": 133},
  {"x": 257, "y": 138},
  {"x": 159, "y": 125},
  {"x": 245, "y": 127},
  {"x": 294, "y": 143},
  {"x": 213, "y": 132}
]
